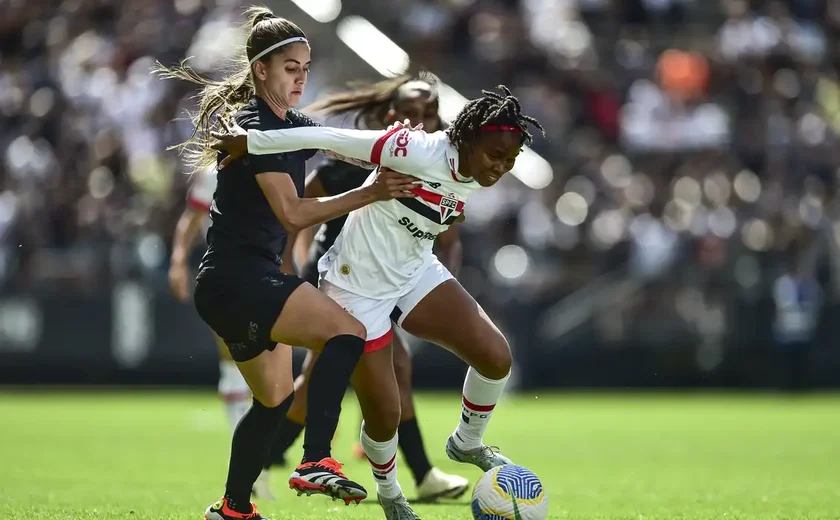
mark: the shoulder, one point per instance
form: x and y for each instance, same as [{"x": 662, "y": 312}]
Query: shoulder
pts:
[
  {"x": 248, "y": 117},
  {"x": 420, "y": 139},
  {"x": 417, "y": 146},
  {"x": 439, "y": 139},
  {"x": 298, "y": 118}
]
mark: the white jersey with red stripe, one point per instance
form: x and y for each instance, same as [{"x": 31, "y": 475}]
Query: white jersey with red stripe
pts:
[
  {"x": 200, "y": 193},
  {"x": 386, "y": 246}
]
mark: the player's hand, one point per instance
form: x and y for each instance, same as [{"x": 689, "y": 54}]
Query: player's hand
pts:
[
  {"x": 179, "y": 281},
  {"x": 233, "y": 140},
  {"x": 393, "y": 185},
  {"x": 405, "y": 124}
]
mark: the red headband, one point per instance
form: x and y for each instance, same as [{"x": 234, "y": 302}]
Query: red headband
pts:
[{"x": 503, "y": 128}]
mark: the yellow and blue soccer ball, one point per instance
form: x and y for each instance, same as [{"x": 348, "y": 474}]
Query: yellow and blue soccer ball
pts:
[{"x": 509, "y": 492}]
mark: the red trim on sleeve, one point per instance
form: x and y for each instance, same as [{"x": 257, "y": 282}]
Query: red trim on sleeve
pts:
[{"x": 379, "y": 145}]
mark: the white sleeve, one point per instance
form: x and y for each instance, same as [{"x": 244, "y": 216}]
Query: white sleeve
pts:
[
  {"x": 200, "y": 195},
  {"x": 401, "y": 149}
]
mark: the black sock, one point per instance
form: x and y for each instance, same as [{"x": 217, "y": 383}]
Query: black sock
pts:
[
  {"x": 251, "y": 442},
  {"x": 327, "y": 384},
  {"x": 411, "y": 444},
  {"x": 286, "y": 436}
]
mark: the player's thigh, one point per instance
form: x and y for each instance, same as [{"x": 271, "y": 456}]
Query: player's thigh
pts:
[
  {"x": 376, "y": 389},
  {"x": 440, "y": 310},
  {"x": 224, "y": 352},
  {"x": 309, "y": 319},
  {"x": 269, "y": 375},
  {"x": 240, "y": 302},
  {"x": 373, "y": 314}
]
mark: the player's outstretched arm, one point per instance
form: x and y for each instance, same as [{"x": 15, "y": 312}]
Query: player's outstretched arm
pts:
[{"x": 361, "y": 145}]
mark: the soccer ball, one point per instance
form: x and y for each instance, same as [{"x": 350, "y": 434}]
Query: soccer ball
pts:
[{"x": 509, "y": 492}]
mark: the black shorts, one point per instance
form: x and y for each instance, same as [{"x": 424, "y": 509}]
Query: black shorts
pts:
[
  {"x": 241, "y": 300},
  {"x": 310, "y": 272}
]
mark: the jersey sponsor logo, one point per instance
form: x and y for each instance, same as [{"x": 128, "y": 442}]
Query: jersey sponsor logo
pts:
[
  {"x": 433, "y": 185},
  {"x": 400, "y": 146},
  {"x": 414, "y": 230}
]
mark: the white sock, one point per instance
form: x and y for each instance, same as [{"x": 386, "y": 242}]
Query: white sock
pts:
[
  {"x": 234, "y": 392},
  {"x": 383, "y": 463},
  {"x": 477, "y": 404}
]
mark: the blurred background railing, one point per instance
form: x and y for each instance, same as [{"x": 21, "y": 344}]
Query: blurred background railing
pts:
[{"x": 686, "y": 234}]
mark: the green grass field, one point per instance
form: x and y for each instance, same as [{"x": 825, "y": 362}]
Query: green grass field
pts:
[{"x": 160, "y": 455}]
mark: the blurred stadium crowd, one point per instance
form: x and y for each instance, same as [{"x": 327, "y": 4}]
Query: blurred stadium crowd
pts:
[{"x": 694, "y": 145}]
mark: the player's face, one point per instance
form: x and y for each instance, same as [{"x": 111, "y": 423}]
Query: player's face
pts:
[
  {"x": 286, "y": 74},
  {"x": 417, "y": 111},
  {"x": 492, "y": 155}
]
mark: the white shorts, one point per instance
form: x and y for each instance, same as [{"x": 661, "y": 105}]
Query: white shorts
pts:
[{"x": 376, "y": 315}]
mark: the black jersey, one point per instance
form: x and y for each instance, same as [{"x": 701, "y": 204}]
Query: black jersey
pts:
[
  {"x": 337, "y": 177},
  {"x": 243, "y": 222}
]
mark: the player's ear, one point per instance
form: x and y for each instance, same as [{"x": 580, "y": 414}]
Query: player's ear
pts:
[{"x": 260, "y": 70}]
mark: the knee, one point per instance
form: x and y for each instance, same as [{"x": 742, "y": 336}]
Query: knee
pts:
[
  {"x": 497, "y": 359},
  {"x": 402, "y": 366},
  {"x": 346, "y": 325},
  {"x": 276, "y": 395}
]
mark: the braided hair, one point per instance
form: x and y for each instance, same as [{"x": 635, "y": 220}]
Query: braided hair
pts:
[{"x": 491, "y": 109}]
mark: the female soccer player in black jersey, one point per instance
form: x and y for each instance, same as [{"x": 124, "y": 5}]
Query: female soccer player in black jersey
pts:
[
  {"x": 375, "y": 107},
  {"x": 241, "y": 291}
]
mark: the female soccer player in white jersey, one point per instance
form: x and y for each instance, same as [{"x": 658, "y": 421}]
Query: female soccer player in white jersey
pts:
[
  {"x": 374, "y": 106},
  {"x": 232, "y": 387},
  {"x": 382, "y": 265}
]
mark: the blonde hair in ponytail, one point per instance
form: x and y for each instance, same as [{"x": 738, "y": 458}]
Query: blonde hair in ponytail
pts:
[{"x": 224, "y": 97}]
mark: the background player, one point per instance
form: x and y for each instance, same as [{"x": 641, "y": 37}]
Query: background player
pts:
[
  {"x": 233, "y": 390},
  {"x": 376, "y": 107},
  {"x": 382, "y": 266}
]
